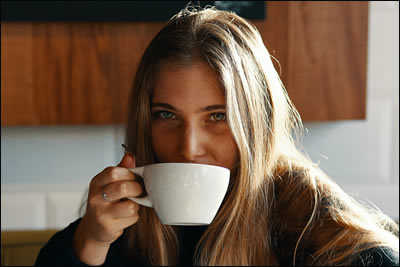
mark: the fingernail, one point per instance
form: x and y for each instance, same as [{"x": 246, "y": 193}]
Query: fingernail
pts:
[
  {"x": 127, "y": 151},
  {"x": 125, "y": 147}
]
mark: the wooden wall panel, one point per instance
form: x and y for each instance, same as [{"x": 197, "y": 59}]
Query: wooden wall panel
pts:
[
  {"x": 327, "y": 59},
  {"x": 81, "y": 73},
  {"x": 17, "y": 95},
  {"x": 70, "y": 73}
]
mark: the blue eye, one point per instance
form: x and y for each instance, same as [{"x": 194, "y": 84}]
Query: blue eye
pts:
[
  {"x": 165, "y": 115},
  {"x": 218, "y": 117}
]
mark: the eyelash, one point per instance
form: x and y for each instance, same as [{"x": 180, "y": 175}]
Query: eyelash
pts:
[
  {"x": 160, "y": 115},
  {"x": 218, "y": 113}
]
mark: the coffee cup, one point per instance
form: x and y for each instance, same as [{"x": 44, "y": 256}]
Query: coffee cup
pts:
[{"x": 183, "y": 193}]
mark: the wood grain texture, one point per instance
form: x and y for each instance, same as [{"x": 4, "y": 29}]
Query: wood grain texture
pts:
[
  {"x": 58, "y": 73},
  {"x": 327, "y": 59},
  {"x": 17, "y": 95},
  {"x": 70, "y": 73}
]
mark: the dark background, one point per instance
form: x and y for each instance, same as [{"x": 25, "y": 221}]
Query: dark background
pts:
[{"x": 117, "y": 10}]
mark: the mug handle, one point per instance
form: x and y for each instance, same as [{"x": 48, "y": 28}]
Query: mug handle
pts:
[{"x": 145, "y": 201}]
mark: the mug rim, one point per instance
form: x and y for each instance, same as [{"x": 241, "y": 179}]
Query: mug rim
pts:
[{"x": 183, "y": 163}]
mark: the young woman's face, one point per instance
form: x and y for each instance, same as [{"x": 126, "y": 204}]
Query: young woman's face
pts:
[{"x": 188, "y": 118}]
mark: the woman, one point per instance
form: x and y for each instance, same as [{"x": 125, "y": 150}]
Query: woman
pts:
[{"x": 206, "y": 91}]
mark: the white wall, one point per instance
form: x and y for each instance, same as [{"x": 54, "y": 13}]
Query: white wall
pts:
[{"x": 46, "y": 170}]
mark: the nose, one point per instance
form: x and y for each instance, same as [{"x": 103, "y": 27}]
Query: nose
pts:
[{"x": 192, "y": 143}]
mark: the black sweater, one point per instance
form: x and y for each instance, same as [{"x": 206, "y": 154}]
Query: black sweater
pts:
[{"x": 59, "y": 252}]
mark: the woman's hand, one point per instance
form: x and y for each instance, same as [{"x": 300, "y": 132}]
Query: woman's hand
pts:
[{"x": 105, "y": 221}]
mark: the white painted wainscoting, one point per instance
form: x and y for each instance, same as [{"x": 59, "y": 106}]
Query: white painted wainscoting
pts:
[{"x": 40, "y": 207}]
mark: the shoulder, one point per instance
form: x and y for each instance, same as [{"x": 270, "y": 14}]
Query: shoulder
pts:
[
  {"x": 377, "y": 256},
  {"x": 58, "y": 248},
  {"x": 58, "y": 251}
]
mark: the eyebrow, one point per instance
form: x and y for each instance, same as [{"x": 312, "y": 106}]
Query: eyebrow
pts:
[{"x": 205, "y": 109}]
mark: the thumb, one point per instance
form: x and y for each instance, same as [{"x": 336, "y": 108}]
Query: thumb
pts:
[{"x": 128, "y": 161}]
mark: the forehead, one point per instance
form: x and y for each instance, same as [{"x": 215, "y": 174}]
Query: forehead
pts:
[{"x": 194, "y": 84}]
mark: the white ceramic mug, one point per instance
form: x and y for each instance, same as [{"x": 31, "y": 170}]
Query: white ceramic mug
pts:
[{"x": 183, "y": 193}]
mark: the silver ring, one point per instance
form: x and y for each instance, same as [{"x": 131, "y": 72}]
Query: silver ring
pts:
[{"x": 105, "y": 196}]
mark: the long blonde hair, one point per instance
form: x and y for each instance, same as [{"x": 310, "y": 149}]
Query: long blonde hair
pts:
[{"x": 280, "y": 204}]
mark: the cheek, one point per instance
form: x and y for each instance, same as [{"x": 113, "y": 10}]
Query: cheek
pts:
[
  {"x": 225, "y": 150},
  {"x": 163, "y": 144},
  {"x": 232, "y": 154}
]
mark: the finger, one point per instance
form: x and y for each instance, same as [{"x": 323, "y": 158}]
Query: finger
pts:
[
  {"x": 122, "y": 209},
  {"x": 111, "y": 175},
  {"x": 122, "y": 189},
  {"x": 128, "y": 161}
]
